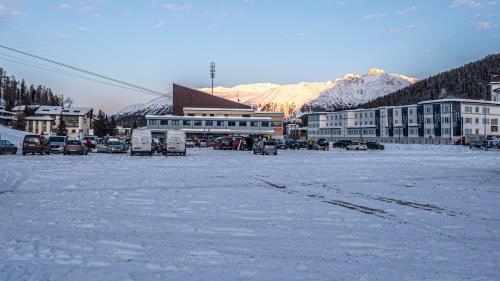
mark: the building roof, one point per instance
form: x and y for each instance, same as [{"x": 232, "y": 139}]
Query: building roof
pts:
[
  {"x": 219, "y": 109},
  {"x": 214, "y": 118},
  {"x": 22, "y": 107},
  {"x": 460, "y": 100},
  {"x": 56, "y": 110},
  {"x": 40, "y": 118},
  {"x": 7, "y": 112}
]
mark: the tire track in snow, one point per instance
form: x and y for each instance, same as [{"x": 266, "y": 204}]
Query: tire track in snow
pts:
[{"x": 360, "y": 208}]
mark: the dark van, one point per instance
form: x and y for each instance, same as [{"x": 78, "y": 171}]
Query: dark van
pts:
[{"x": 35, "y": 144}]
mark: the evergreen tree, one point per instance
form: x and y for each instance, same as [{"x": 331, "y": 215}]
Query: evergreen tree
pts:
[
  {"x": 112, "y": 126},
  {"x": 100, "y": 124}
]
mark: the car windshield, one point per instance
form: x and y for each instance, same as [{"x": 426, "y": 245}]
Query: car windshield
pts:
[
  {"x": 5, "y": 142},
  {"x": 74, "y": 142},
  {"x": 56, "y": 139},
  {"x": 355, "y": 143},
  {"x": 32, "y": 139},
  {"x": 88, "y": 138},
  {"x": 269, "y": 143},
  {"x": 114, "y": 143}
]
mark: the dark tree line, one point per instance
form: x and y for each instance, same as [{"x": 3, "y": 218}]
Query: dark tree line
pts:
[
  {"x": 104, "y": 125},
  {"x": 15, "y": 92},
  {"x": 467, "y": 81}
]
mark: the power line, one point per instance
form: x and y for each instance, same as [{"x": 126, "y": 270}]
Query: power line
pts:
[
  {"x": 83, "y": 71},
  {"x": 55, "y": 70}
]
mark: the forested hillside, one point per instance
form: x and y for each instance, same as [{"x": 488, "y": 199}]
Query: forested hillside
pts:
[
  {"x": 15, "y": 92},
  {"x": 466, "y": 82}
]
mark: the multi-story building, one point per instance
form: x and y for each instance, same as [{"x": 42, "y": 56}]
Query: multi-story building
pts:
[
  {"x": 199, "y": 113},
  {"x": 436, "y": 121},
  {"x": 47, "y": 119}
]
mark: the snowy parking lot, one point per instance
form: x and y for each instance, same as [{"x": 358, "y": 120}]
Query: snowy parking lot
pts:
[{"x": 407, "y": 213}]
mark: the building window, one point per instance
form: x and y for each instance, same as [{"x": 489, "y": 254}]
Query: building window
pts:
[
  {"x": 396, "y": 121},
  {"x": 477, "y": 109},
  {"x": 428, "y": 120},
  {"x": 175, "y": 122},
  {"x": 486, "y": 121},
  {"x": 254, "y": 124},
  {"x": 411, "y": 111},
  {"x": 243, "y": 123},
  {"x": 477, "y": 120},
  {"x": 278, "y": 124},
  {"x": 428, "y": 131},
  {"x": 220, "y": 123},
  {"x": 468, "y": 120},
  {"x": 73, "y": 131},
  {"x": 153, "y": 122},
  {"x": 486, "y": 110},
  {"x": 264, "y": 124},
  {"x": 468, "y": 131},
  {"x": 163, "y": 122},
  {"x": 428, "y": 109},
  {"x": 446, "y": 108},
  {"x": 212, "y": 115},
  {"x": 231, "y": 123},
  {"x": 395, "y": 113},
  {"x": 186, "y": 123},
  {"x": 209, "y": 123},
  {"x": 446, "y": 119},
  {"x": 445, "y": 131},
  {"x": 190, "y": 114},
  {"x": 197, "y": 123},
  {"x": 468, "y": 109}
]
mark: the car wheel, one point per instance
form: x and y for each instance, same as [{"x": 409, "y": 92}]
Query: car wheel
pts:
[
  {"x": 1, "y": 152},
  {"x": 15, "y": 151},
  {"x": 24, "y": 153},
  {"x": 276, "y": 153}
]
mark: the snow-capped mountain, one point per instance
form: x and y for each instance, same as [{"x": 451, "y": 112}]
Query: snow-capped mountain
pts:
[
  {"x": 349, "y": 90},
  {"x": 159, "y": 105}
]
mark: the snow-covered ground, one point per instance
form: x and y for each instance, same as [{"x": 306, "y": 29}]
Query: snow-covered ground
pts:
[{"x": 407, "y": 213}]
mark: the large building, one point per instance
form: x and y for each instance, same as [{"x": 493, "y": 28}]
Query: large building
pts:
[
  {"x": 200, "y": 113},
  {"x": 47, "y": 118},
  {"x": 433, "y": 122}
]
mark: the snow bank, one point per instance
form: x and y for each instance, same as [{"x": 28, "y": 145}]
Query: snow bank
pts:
[{"x": 14, "y": 136}]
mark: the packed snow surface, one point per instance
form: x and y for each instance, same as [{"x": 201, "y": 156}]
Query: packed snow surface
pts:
[
  {"x": 407, "y": 213},
  {"x": 14, "y": 136}
]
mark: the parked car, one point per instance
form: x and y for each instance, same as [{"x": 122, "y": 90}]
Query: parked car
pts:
[
  {"x": 373, "y": 145},
  {"x": 223, "y": 143},
  {"x": 477, "y": 145},
  {"x": 75, "y": 147},
  {"x": 35, "y": 144},
  {"x": 115, "y": 147},
  {"x": 126, "y": 144},
  {"x": 57, "y": 143},
  {"x": 6, "y": 147},
  {"x": 357, "y": 146},
  {"x": 203, "y": 143},
  {"x": 322, "y": 144},
  {"x": 236, "y": 143},
  {"x": 265, "y": 147},
  {"x": 342, "y": 144},
  {"x": 142, "y": 142},
  {"x": 302, "y": 143},
  {"x": 190, "y": 143},
  {"x": 101, "y": 146},
  {"x": 93, "y": 140},
  {"x": 280, "y": 144},
  {"x": 292, "y": 144},
  {"x": 175, "y": 143}
]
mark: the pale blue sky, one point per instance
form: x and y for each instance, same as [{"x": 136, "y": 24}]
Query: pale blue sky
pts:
[{"x": 155, "y": 43}]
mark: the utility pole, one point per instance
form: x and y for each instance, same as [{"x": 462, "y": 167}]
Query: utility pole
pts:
[
  {"x": 212, "y": 74},
  {"x": 485, "y": 88}
]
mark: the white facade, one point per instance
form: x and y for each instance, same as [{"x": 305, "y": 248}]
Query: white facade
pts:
[
  {"x": 47, "y": 118},
  {"x": 437, "y": 121}
]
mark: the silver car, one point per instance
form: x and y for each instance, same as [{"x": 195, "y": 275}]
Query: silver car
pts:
[
  {"x": 266, "y": 147},
  {"x": 57, "y": 143}
]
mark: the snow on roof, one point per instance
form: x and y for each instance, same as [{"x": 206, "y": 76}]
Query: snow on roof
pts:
[
  {"x": 56, "y": 110},
  {"x": 22, "y": 107},
  {"x": 40, "y": 118},
  {"x": 460, "y": 100},
  {"x": 7, "y": 112}
]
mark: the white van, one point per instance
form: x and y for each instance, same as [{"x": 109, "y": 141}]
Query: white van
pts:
[
  {"x": 141, "y": 142},
  {"x": 175, "y": 142}
]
